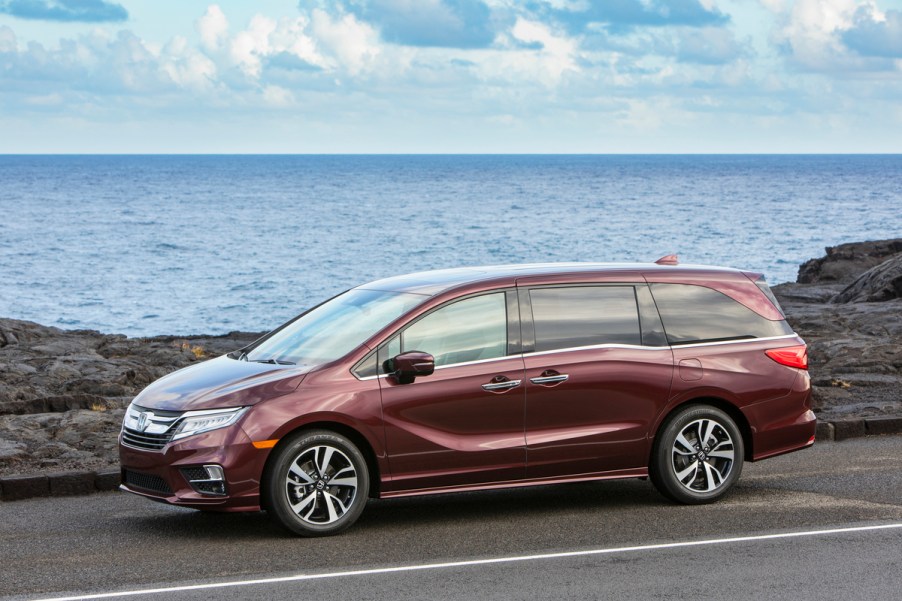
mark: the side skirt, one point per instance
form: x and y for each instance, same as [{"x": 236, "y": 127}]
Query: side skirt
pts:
[{"x": 641, "y": 472}]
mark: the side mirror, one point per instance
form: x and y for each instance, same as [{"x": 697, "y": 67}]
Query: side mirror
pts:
[{"x": 406, "y": 367}]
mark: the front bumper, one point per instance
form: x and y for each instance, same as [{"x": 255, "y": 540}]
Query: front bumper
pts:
[{"x": 157, "y": 475}]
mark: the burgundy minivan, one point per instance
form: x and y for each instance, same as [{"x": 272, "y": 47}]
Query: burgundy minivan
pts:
[{"x": 480, "y": 378}]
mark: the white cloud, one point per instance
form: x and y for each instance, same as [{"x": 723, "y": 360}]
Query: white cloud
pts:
[
  {"x": 213, "y": 28},
  {"x": 353, "y": 43},
  {"x": 291, "y": 37},
  {"x": 547, "y": 61},
  {"x": 811, "y": 33},
  {"x": 187, "y": 67},
  {"x": 249, "y": 45}
]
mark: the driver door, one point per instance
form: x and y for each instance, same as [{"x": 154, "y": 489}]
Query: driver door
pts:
[{"x": 464, "y": 424}]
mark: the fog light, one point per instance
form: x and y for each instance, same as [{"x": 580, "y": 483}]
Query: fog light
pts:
[{"x": 207, "y": 479}]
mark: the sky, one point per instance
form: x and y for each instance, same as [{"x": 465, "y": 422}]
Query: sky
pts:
[{"x": 451, "y": 76}]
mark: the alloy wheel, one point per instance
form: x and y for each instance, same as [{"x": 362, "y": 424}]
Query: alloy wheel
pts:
[{"x": 703, "y": 455}]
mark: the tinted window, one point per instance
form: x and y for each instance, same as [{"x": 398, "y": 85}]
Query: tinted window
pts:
[
  {"x": 584, "y": 316},
  {"x": 367, "y": 366},
  {"x": 699, "y": 314},
  {"x": 468, "y": 330}
]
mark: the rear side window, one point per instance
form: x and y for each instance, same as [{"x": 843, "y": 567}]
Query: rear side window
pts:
[
  {"x": 699, "y": 314},
  {"x": 584, "y": 316}
]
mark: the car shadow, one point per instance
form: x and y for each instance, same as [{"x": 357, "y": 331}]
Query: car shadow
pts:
[{"x": 501, "y": 505}]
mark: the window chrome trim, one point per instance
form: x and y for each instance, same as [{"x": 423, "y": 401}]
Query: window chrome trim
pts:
[
  {"x": 740, "y": 341},
  {"x": 659, "y": 348},
  {"x": 593, "y": 347},
  {"x": 602, "y": 346}
]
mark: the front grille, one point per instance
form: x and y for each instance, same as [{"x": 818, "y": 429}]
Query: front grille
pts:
[
  {"x": 147, "y": 482},
  {"x": 145, "y": 440},
  {"x": 150, "y": 429}
]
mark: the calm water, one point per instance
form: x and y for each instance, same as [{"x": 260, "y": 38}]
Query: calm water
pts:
[{"x": 181, "y": 244}]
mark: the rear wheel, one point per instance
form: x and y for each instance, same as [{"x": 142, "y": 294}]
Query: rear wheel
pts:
[
  {"x": 698, "y": 455},
  {"x": 318, "y": 484}
]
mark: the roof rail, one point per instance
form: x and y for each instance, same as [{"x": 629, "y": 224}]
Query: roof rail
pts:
[{"x": 668, "y": 260}]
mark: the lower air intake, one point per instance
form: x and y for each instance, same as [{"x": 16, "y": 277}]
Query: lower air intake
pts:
[{"x": 147, "y": 482}]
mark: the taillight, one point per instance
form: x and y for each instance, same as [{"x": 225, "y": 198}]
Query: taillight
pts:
[{"x": 791, "y": 356}]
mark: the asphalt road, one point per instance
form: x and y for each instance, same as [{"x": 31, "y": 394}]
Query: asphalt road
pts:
[{"x": 615, "y": 539}]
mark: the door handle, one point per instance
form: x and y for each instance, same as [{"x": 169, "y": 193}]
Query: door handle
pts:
[
  {"x": 550, "y": 379},
  {"x": 505, "y": 385}
]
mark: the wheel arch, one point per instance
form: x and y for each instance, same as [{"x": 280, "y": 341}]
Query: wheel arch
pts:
[
  {"x": 366, "y": 449},
  {"x": 724, "y": 405}
]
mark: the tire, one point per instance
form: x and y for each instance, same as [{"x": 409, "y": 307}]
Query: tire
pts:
[
  {"x": 317, "y": 484},
  {"x": 686, "y": 470}
]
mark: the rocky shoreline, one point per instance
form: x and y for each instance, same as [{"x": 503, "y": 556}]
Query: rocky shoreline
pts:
[{"x": 63, "y": 393}]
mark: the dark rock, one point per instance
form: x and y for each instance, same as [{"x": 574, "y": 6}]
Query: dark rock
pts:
[
  {"x": 7, "y": 337},
  {"x": 845, "y": 262},
  {"x": 24, "y": 487},
  {"x": 71, "y": 483},
  {"x": 62, "y": 393},
  {"x": 877, "y": 284}
]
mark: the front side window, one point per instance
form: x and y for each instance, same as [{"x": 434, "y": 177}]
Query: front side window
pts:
[
  {"x": 472, "y": 329},
  {"x": 699, "y": 314},
  {"x": 584, "y": 316}
]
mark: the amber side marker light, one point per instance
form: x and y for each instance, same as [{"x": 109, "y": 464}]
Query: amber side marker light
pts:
[
  {"x": 265, "y": 444},
  {"x": 791, "y": 356}
]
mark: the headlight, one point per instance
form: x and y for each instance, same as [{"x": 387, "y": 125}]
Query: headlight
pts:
[{"x": 195, "y": 422}]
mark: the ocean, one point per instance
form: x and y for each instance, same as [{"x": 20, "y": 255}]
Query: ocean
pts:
[{"x": 146, "y": 245}]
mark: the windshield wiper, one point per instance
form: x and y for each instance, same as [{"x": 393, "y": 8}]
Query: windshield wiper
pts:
[{"x": 273, "y": 361}]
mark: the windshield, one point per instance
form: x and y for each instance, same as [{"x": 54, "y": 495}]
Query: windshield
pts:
[{"x": 335, "y": 328}]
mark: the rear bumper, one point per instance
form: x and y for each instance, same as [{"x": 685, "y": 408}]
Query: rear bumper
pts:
[
  {"x": 157, "y": 474},
  {"x": 785, "y": 424}
]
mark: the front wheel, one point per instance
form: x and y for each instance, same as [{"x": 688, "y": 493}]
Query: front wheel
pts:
[
  {"x": 697, "y": 456},
  {"x": 318, "y": 483}
]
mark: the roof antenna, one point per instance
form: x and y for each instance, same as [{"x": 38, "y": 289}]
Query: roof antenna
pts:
[{"x": 668, "y": 260}]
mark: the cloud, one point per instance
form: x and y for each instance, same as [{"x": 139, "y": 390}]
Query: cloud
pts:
[
  {"x": 427, "y": 23},
  {"x": 353, "y": 43},
  {"x": 86, "y": 11},
  {"x": 871, "y": 36},
  {"x": 849, "y": 37},
  {"x": 212, "y": 27},
  {"x": 542, "y": 55}
]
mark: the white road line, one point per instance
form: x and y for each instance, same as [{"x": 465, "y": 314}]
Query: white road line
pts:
[{"x": 477, "y": 562}]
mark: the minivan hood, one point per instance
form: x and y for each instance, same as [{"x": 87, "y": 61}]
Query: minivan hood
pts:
[{"x": 219, "y": 383}]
